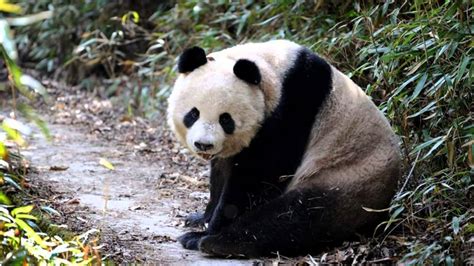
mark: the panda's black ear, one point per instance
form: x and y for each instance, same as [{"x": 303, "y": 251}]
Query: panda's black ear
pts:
[
  {"x": 248, "y": 71},
  {"x": 191, "y": 59}
]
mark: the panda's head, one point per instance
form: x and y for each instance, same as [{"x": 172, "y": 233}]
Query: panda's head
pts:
[{"x": 216, "y": 106}]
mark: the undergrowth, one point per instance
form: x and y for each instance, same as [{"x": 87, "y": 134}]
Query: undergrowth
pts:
[
  {"x": 414, "y": 58},
  {"x": 27, "y": 236}
]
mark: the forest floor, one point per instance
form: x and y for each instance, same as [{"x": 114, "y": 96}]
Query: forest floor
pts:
[{"x": 140, "y": 205}]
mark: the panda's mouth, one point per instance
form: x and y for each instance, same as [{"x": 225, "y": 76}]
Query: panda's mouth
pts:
[{"x": 206, "y": 156}]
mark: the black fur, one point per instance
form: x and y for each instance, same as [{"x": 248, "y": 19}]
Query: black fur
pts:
[
  {"x": 288, "y": 224},
  {"x": 220, "y": 169},
  {"x": 278, "y": 147},
  {"x": 227, "y": 123},
  {"x": 191, "y": 117},
  {"x": 247, "y": 70},
  {"x": 191, "y": 59},
  {"x": 252, "y": 199}
]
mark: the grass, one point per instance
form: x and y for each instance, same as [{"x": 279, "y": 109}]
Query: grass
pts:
[{"x": 414, "y": 58}]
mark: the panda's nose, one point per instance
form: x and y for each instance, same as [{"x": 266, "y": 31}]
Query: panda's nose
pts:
[{"x": 203, "y": 146}]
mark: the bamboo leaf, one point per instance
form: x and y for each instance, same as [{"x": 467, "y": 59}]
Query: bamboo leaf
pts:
[
  {"x": 9, "y": 8},
  {"x": 424, "y": 110},
  {"x": 30, "y": 232},
  {"x": 3, "y": 151},
  {"x": 23, "y": 209},
  {"x": 30, "y": 19},
  {"x": 462, "y": 68},
  {"x": 4, "y": 199},
  {"x": 34, "y": 84},
  {"x": 419, "y": 86},
  {"x": 26, "y": 216},
  {"x": 455, "y": 225},
  {"x": 50, "y": 210},
  {"x": 12, "y": 132},
  {"x": 375, "y": 210},
  {"x": 435, "y": 146},
  {"x": 7, "y": 41}
]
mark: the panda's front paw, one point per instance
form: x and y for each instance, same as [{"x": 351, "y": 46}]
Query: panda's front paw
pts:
[
  {"x": 196, "y": 219},
  {"x": 190, "y": 240},
  {"x": 222, "y": 246}
]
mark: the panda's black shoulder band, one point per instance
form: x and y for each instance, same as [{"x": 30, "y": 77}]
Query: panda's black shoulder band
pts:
[
  {"x": 247, "y": 71},
  {"x": 191, "y": 59}
]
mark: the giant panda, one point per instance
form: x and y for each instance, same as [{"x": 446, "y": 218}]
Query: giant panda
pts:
[{"x": 298, "y": 152}]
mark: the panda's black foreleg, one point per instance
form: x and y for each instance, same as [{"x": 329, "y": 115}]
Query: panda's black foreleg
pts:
[
  {"x": 235, "y": 198},
  {"x": 219, "y": 174},
  {"x": 219, "y": 181},
  {"x": 198, "y": 219},
  {"x": 293, "y": 223}
]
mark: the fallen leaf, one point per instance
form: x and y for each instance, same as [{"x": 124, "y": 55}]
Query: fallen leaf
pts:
[
  {"x": 106, "y": 164},
  {"x": 58, "y": 168}
]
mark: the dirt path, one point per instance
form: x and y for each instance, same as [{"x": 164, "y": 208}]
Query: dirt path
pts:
[{"x": 138, "y": 206}]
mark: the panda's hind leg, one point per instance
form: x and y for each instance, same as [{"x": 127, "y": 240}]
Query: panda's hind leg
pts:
[{"x": 293, "y": 223}]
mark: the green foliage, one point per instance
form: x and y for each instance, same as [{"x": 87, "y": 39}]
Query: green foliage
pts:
[
  {"x": 22, "y": 241},
  {"x": 22, "y": 244},
  {"x": 49, "y": 43}
]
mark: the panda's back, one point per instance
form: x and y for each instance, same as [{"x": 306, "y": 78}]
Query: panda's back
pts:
[
  {"x": 350, "y": 140},
  {"x": 350, "y": 143}
]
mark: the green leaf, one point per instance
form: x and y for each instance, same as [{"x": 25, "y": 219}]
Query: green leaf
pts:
[
  {"x": 50, "y": 210},
  {"x": 4, "y": 199},
  {"x": 8, "y": 179},
  {"x": 34, "y": 84},
  {"x": 30, "y": 19},
  {"x": 437, "y": 144},
  {"x": 424, "y": 110},
  {"x": 8, "y": 126},
  {"x": 23, "y": 209},
  {"x": 9, "y": 8},
  {"x": 14, "y": 71},
  {"x": 462, "y": 68},
  {"x": 18, "y": 258},
  {"x": 3, "y": 151},
  {"x": 404, "y": 84},
  {"x": 419, "y": 87},
  {"x": 26, "y": 216},
  {"x": 30, "y": 232},
  {"x": 375, "y": 210},
  {"x": 455, "y": 225},
  {"x": 426, "y": 144},
  {"x": 133, "y": 15},
  {"x": 30, "y": 114},
  {"x": 7, "y": 41}
]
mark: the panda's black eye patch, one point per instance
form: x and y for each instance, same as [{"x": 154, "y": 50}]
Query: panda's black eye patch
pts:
[
  {"x": 191, "y": 117},
  {"x": 227, "y": 123}
]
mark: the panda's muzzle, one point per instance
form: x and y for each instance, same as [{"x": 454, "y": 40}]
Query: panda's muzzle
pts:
[{"x": 203, "y": 146}]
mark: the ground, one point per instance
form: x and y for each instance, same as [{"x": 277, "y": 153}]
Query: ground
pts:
[{"x": 140, "y": 205}]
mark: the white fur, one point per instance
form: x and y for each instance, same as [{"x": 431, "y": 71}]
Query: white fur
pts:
[{"x": 214, "y": 89}]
